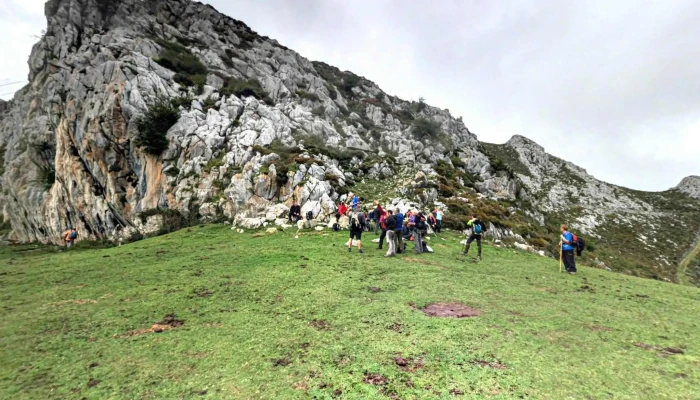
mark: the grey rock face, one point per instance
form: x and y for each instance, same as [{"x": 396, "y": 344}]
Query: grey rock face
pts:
[
  {"x": 70, "y": 156},
  {"x": 690, "y": 185}
]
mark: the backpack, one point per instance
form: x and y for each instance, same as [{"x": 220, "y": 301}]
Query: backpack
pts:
[
  {"x": 355, "y": 224},
  {"x": 310, "y": 215},
  {"x": 336, "y": 227},
  {"x": 73, "y": 235},
  {"x": 478, "y": 229},
  {"x": 420, "y": 224},
  {"x": 580, "y": 245}
]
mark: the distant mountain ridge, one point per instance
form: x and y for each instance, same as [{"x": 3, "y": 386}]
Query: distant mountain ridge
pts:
[{"x": 142, "y": 117}]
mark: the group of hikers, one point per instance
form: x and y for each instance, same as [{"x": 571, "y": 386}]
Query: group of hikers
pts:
[{"x": 398, "y": 228}]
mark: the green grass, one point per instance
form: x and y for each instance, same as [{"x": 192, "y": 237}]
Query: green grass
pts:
[{"x": 248, "y": 302}]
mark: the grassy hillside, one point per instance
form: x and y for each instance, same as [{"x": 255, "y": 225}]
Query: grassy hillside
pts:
[
  {"x": 652, "y": 247},
  {"x": 273, "y": 317}
]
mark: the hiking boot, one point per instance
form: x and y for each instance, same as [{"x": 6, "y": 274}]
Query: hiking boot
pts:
[
  {"x": 379, "y": 248},
  {"x": 361, "y": 251},
  {"x": 572, "y": 272},
  {"x": 349, "y": 249}
]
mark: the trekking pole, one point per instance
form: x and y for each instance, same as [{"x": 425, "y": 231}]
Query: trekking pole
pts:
[{"x": 560, "y": 256}]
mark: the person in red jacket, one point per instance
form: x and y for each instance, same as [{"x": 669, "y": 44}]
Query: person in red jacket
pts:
[
  {"x": 377, "y": 216},
  {"x": 342, "y": 210}
]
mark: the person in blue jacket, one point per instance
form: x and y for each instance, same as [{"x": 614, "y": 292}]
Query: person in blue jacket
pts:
[
  {"x": 567, "y": 249},
  {"x": 399, "y": 230}
]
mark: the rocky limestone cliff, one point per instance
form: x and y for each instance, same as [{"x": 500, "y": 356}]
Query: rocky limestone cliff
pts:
[
  {"x": 690, "y": 185},
  {"x": 138, "y": 112},
  {"x": 69, "y": 139}
]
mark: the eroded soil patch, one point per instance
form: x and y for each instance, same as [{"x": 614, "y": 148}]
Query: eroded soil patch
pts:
[
  {"x": 374, "y": 289},
  {"x": 408, "y": 364},
  {"x": 489, "y": 364},
  {"x": 660, "y": 351},
  {"x": 76, "y": 301},
  {"x": 450, "y": 310},
  {"x": 375, "y": 379},
  {"x": 281, "y": 362},
  {"x": 321, "y": 324},
  {"x": 169, "y": 322}
]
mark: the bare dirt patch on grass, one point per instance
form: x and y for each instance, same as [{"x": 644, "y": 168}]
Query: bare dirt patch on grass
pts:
[
  {"x": 489, "y": 364},
  {"x": 76, "y": 301},
  {"x": 169, "y": 322},
  {"x": 375, "y": 379},
  {"x": 408, "y": 364},
  {"x": 450, "y": 310},
  {"x": 321, "y": 324},
  {"x": 660, "y": 351}
]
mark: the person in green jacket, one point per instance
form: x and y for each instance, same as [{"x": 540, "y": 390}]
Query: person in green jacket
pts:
[{"x": 478, "y": 228}]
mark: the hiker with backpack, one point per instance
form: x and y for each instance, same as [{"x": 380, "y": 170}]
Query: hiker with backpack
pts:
[
  {"x": 416, "y": 223},
  {"x": 382, "y": 226},
  {"x": 568, "y": 244},
  {"x": 69, "y": 236},
  {"x": 477, "y": 229},
  {"x": 377, "y": 215},
  {"x": 357, "y": 223},
  {"x": 398, "y": 230},
  {"x": 354, "y": 202},
  {"x": 438, "y": 219},
  {"x": 390, "y": 229}
]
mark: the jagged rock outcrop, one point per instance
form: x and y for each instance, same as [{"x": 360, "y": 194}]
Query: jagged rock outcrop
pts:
[
  {"x": 690, "y": 185},
  {"x": 70, "y": 138}
]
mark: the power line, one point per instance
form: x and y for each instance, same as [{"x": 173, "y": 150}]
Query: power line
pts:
[{"x": 11, "y": 83}]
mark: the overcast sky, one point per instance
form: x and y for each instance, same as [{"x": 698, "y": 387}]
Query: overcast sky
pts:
[{"x": 610, "y": 85}]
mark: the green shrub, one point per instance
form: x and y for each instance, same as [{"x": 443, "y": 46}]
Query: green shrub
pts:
[
  {"x": 3, "y": 148},
  {"x": 404, "y": 116},
  {"x": 332, "y": 93},
  {"x": 182, "y": 101},
  {"x": 153, "y": 127},
  {"x": 208, "y": 104},
  {"x": 189, "y": 71},
  {"x": 245, "y": 88},
  {"x": 214, "y": 163},
  {"x": 425, "y": 129},
  {"x": 331, "y": 177},
  {"x": 319, "y": 111},
  {"x": 350, "y": 81},
  {"x": 42, "y": 155},
  {"x": 446, "y": 191},
  {"x": 5, "y": 226},
  {"x": 457, "y": 162},
  {"x": 379, "y": 96},
  {"x": 173, "y": 220},
  {"x": 420, "y": 106},
  {"x": 47, "y": 176},
  {"x": 308, "y": 96},
  {"x": 538, "y": 242}
]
